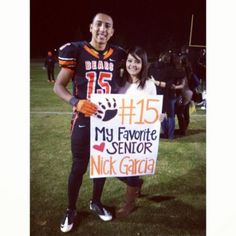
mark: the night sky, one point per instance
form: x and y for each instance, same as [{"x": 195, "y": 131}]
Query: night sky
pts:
[{"x": 153, "y": 24}]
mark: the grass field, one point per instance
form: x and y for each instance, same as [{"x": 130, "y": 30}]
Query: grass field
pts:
[{"x": 173, "y": 201}]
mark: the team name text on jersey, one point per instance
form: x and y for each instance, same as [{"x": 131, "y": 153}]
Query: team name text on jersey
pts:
[{"x": 99, "y": 65}]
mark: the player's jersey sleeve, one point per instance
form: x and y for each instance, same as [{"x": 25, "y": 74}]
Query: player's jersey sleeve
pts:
[{"x": 67, "y": 56}]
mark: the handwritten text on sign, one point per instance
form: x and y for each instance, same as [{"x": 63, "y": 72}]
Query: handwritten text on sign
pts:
[{"x": 124, "y": 135}]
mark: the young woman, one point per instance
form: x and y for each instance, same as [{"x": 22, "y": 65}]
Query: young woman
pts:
[
  {"x": 134, "y": 81},
  {"x": 135, "y": 77}
]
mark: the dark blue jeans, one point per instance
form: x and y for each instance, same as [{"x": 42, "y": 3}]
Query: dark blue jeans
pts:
[
  {"x": 168, "y": 124},
  {"x": 132, "y": 181}
]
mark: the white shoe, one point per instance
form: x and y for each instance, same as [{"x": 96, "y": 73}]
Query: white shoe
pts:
[
  {"x": 68, "y": 220},
  {"x": 100, "y": 211}
]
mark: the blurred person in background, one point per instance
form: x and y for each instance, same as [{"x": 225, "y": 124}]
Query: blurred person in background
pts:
[{"x": 49, "y": 65}]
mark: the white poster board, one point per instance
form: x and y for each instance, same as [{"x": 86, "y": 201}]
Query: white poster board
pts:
[{"x": 124, "y": 136}]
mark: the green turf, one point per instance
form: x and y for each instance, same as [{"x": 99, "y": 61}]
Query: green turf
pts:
[{"x": 173, "y": 202}]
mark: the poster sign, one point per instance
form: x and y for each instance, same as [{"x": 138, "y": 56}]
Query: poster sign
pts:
[{"x": 124, "y": 136}]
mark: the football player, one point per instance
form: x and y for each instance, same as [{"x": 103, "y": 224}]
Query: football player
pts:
[{"x": 92, "y": 67}]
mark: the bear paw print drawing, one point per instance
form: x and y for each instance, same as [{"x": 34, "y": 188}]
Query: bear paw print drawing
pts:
[{"x": 107, "y": 110}]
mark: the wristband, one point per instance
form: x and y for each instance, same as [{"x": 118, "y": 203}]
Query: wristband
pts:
[{"x": 73, "y": 101}]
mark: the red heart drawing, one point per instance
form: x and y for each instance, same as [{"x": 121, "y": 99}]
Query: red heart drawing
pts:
[{"x": 99, "y": 147}]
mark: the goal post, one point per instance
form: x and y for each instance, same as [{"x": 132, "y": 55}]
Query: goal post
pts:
[{"x": 191, "y": 35}]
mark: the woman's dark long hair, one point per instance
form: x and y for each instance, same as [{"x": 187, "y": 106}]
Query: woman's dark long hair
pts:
[{"x": 143, "y": 75}]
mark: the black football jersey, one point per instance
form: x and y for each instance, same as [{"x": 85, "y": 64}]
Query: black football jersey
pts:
[{"x": 94, "y": 71}]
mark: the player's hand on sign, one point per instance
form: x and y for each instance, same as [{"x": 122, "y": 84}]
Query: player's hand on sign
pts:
[{"x": 86, "y": 107}]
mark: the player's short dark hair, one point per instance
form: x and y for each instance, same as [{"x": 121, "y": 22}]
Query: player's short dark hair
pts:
[{"x": 103, "y": 13}]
